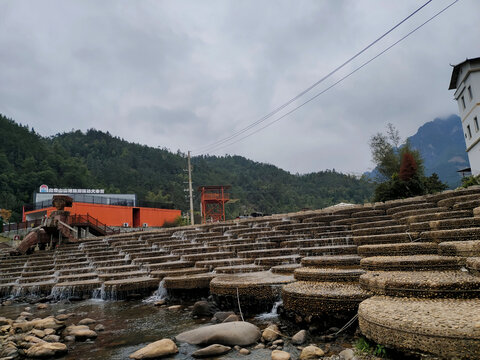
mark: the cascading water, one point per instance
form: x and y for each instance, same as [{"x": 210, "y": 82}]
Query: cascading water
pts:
[
  {"x": 159, "y": 294},
  {"x": 99, "y": 293},
  {"x": 272, "y": 314}
]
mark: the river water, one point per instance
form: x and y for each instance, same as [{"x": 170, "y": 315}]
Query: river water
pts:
[{"x": 131, "y": 325}]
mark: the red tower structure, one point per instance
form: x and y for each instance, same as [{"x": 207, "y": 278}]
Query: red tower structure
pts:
[{"x": 213, "y": 201}]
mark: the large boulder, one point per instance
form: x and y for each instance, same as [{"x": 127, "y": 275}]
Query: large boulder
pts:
[
  {"x": 46, "y": 350},
  {"x": 212, "y": 350},
  {"x": 231, "y": 334},
  {"x": 156, "y": 349}
]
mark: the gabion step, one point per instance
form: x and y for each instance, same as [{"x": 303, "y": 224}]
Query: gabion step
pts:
[
  {"x": 385, "y": 239},
  {"x": 412, "y": 263},
  {"x": 443, "y": 327},
  {"x": 238, "y": 269},
  {"x": 419, "y": 284},
  {"x": 437, "y": 216},
  {"x": 327, "y": 274},
  {"x": 412, "y": 248},
  {"x": 286, "y": 269},
  {"x": 337, "y": 261},
  {"x": 393, "y": 229},
  {"x": 446, "y": 224},
  {"x": 309, "y": 298},
  {"x": 451, "y": 235},
  {"x": 277, "y": 260},
  {"x": 460, "y": 248},
  {"x": 328, "y": 250},
  {"x": 253, "y": 254}
]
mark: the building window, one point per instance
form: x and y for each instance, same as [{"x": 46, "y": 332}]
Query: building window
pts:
[
  {"x": 469, "y": 132},
  {"x": 463, "y": 101},
  {"x": 470, "y": 92},
  {"x": 475, "y": 122}
]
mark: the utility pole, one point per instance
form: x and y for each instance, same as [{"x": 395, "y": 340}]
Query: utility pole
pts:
[{"x": 192, "y": 221}]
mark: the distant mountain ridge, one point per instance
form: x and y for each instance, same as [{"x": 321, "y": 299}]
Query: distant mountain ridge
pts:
[
  {"x": 441, "y": 143},
  {"x": 96, "y": 159}
]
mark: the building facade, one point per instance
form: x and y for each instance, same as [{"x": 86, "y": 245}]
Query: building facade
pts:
[
  {"x": 466, "y": 82},
  {"x": 114, "y": 210}
]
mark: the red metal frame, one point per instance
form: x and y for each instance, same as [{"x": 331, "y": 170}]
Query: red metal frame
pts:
[{"x": 213, "y": 199}]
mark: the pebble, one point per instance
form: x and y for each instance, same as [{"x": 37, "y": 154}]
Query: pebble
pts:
[
  {"x": 175, "y": 307},
  {"x": 244, "y": 351},
  {"x": 280, "y": 355},
  {"x": 42, "y": 306},
  {"x": 99, "y": 327},
  {"x": 259, "y": 346},
  {"x": 271, "y": 333},
  {"x": 347, "y": 354},
  {"x": 299, "y": 338}
]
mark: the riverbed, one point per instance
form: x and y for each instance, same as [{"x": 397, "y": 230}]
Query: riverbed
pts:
[{"x": 131, "y": 325}]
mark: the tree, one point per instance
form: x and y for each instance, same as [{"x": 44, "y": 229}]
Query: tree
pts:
[{"x": 401, "y": 168}]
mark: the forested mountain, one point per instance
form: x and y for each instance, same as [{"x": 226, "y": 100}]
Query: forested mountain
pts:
[
  {"x": 99, "y": 160},
  {"x": 441, "y": 143}
]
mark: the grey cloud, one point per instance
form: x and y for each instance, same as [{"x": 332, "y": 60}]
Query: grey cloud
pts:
[{"x": 182, "y": 74}]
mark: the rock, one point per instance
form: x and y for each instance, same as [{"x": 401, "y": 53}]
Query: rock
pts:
[
  {"x": 212, "y": 350},
  {"x": 231, "y": 318},
  {"x": 26, "y": 314},
  {"x": 280, "y": 355},
  {"x": 299, "y": 338},
  {"x": 43, "y": 350},
  {"x": 62, "y": 317},
  {"x": 231, "y": 334},
  {"x": 244, "y": 351},
  {"x": 278, "y": 342},
  {"x": 175, "y": 307},
  {"x": 52, "y": 338},
  {"x": 80, "y": 332},
  {"x": 99, "y": 327},
  {"x": 28, "y": 308},
  {"x": 271, "y": 333},
  {"x": 42, "y": 306},
  {"x": 7, "y": 302},
  {"x": 49, "y": 331},
  {"x": 61, "y": 311},
  {"x": 38, "y": 333},
  {"x": 311, "y": 352},
  {"x": 203, "y": 308},
  {"x": 69, "y": 338},
  {"x": 48, "y": 323},
  {"x": 236, "y": 347},
  {"x": 87, "y": 321},
  {"x": 259, "y": 346},
  {"x": 220, "y": 316},
  {"x": 5, "y": 321},
  {"x": 346, "y": 354},
  {"x": 156, "y": 349},
  {"x": 9, "y": 350},
  {"x": 160, "y": 302}
]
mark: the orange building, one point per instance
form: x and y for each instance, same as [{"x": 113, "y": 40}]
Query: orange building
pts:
[{"x": 110, "y": 209}]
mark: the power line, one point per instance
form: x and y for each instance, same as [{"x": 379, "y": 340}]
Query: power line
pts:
[
  {"x": 218, "y": 147},
  {"x": 281, "y": 107}
]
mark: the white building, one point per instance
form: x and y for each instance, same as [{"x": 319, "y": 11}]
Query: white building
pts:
[{"x": 466, "y": 80}]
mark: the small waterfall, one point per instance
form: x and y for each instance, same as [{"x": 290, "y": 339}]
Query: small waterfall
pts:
[
  {"x": 159, "y": 294},
  {"x": 272, "y": 314},
  {"x": 99, "y": 293}
]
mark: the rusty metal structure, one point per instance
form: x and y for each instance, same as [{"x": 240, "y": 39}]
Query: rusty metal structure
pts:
[{"x": 213, "y": 200}]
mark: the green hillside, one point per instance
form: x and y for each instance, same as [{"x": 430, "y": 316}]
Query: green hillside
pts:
[{"x": 100, "y": 160}]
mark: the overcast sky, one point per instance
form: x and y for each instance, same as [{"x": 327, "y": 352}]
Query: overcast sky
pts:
[{"x": 184, "y": 74}]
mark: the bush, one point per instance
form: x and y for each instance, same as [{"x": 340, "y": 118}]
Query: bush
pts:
[
  {"x": 470, "y": 181},
  {"x": 179, "y": 221}
]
